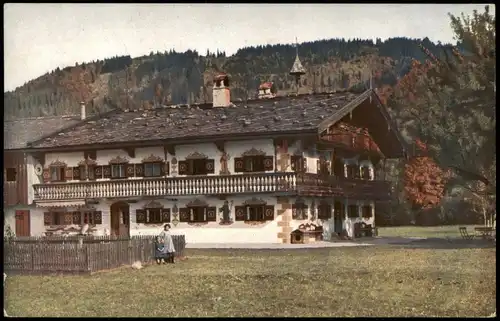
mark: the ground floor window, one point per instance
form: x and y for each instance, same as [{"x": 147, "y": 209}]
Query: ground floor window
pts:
[
  {"x": 366, "y": 211},
  {"x": 198, "y": 214},
  {"x": 352, "y": 211},
  {"x": 255, "y": 213},
  {"x": 299, "y": 211},
  {"x": 153, "y": 215},
  {"x": 72, "y": 218},
  {"x": 324, "y": 211}
]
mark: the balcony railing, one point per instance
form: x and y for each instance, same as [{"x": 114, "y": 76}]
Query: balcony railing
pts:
[
  {"x": 353, "y": 141},
  {"x": 299, "y": 183}
]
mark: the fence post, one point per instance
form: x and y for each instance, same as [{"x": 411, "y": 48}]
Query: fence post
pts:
[
  {"x": 87, "y": 258},
  {"x": 33, "y": 257}
]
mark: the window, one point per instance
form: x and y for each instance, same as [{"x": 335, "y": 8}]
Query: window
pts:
[
  {"x": 365, "y": 173},
  {"x": 324, "y": 212},
  {"x": 352, "y": 211},
  {"x": 152, "y": 169},
  {"x": 298, "y": 163},
  {"x": 87, "y": 172},
  {"x": 352, "y": 171},
  {"x": 10, "y": 174},
  {"x": 197, "y": 166},
  {"x": 299, "y": 211},
  {"x": 256, "y": 213},
  {"x": 254, "y": 163},
  {"x": 154, "y": 215},
  {"x": 366, "y": 211},
  {"x": 92, "y": 217},
  {"x": 198, "y": 214},
  {"x": 57, "y": 173},
  {"x": 118, "y": 171},
  {"x": 60, "y": 218}
]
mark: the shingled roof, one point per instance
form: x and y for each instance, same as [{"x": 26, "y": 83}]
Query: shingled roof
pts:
[
  {"x": 292, "y": 114},
  {"x": 17, "y": 133}
]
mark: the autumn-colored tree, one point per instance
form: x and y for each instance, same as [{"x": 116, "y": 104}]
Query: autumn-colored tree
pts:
[{"x": 452, "y": 108}]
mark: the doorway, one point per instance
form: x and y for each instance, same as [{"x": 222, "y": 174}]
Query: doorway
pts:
[
  {"x": 22, "y": 223},
  {"x": 338, "y": 216},
  {"x": 120, "y": 219}
]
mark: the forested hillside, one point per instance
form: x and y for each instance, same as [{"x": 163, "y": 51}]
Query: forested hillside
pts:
[{"x": 171, "y": 77}]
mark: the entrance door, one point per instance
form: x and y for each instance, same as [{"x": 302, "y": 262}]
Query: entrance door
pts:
[
  {"x": 22, "y": 223},
  {"x": 338, "y": 216},
  {"x": 120, "y": 219}
]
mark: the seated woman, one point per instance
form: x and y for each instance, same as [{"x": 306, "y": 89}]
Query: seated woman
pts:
[{"x": 160, "y": 253}]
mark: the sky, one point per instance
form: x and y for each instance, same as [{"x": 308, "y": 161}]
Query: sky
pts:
[{"x": 38, "y": 37}]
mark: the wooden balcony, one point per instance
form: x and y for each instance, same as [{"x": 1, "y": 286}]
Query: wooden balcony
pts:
[
  {"x": 293, "y": 183},
  {"x": 352, "y": 141}
]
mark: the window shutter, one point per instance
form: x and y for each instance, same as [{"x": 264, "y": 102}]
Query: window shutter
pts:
[
  {"x": 210, "y": 166},
  {"x": 183, "y": 214},
  {"x": 97, "y": 217},
  {"x": 183, "y": 167},
  {"x": 211, "y": 214},
  {"x": 77, "y": 174},
  {"x": 304, "y": 164},
  {"x": 239, "y": 165},
  {"x": 98, "y": 172},
  {"x": 241, "y": 213},
  {"x": 166, "y": 168},
  {"x": 106, "y": 171},
  {"x": 140, "y": 216},
  {"x": 268, "y": 163},
  {"x": 68, "y": 173},
  {"x": 139, "y": 170},
  {"x": 165, "y": 215},
  {"x": 46, "y": 175},
  {"x": 129, "y": 170},
  {"x": 68, "y": 218},
  {"x": 269, "y": 212},
  {"x": 162, "y": 169},
  {"x": 47, "y": 218},
  {"x": 318, "y": 166}
]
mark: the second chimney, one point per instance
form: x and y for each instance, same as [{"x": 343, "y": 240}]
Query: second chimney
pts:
[
  {"x": 83, "y": 111},
  {"x": 221, "y": 93}
]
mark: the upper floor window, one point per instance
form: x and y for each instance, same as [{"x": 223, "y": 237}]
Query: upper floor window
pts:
[
  {"x": 352, "y": 171},
  {"x": 366, "y": 211},
  {"x": 298, "y": 163},
  {"x": 253, "y": 163},
  {"x": 86, "y": 172},
  {"x": 365, "y": 173},
  {"x": 10, "y": 175},
  {"x": 118, "y": 171},
  {"x": 196, "y": 166},
  {"x": 153, "y": 169},
  {"x": 57, "y": 173}
]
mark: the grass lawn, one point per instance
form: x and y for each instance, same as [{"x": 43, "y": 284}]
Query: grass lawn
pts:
[
  {"x": 351, "y": 281},
  {"x": 424, "y": 231}
]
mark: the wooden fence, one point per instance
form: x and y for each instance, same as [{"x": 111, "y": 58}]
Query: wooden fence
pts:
[{"x": 80, "y": 254}]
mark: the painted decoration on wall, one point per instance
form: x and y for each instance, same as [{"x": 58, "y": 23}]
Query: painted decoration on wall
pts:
[
  {"x": 175, "y": 215},
  {"x": 226, "y": 218},
  {"x": 223, "y": 164}
]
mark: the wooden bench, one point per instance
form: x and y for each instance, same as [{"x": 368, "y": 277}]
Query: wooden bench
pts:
[
  {"x": 485, "y": 232},
  {"x": 373, "y": 230},
  {"x": 465, "y": 235}
]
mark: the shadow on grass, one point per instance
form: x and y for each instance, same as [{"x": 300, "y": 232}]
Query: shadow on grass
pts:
[{"x": 445, "y": 243}]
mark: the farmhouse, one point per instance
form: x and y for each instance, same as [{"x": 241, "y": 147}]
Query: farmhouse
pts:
[{"x": 247, "y": 171}]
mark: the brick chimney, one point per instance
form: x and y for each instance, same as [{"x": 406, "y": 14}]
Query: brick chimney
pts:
[
  {"x": 267, "y": 90},
  {"x": 83, "y": 113},
  {"x": 221, "y": 92}
]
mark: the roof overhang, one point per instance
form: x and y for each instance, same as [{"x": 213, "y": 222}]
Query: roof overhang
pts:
[{"x": 308, "y": 133}]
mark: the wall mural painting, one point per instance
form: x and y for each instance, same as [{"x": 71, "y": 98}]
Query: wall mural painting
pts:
[
  {"x": 223, "y": 164},
  {"x": 173, "y": 162},
  {"x": 175, "y": 215},
  {"x": 226, "y": 218}
]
